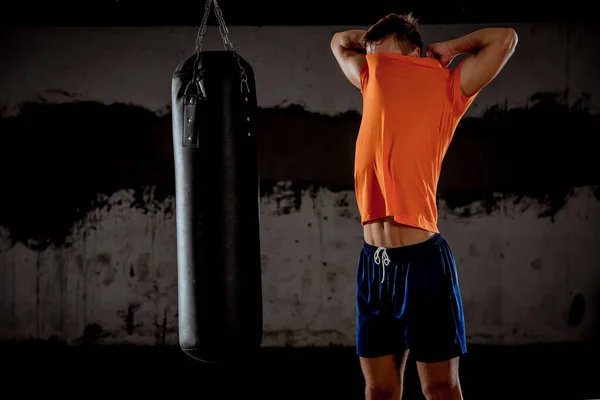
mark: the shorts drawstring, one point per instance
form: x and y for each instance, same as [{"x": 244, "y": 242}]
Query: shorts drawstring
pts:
[{"x": 384, "y": 258}]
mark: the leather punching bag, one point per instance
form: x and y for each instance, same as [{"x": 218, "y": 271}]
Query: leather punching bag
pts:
[{"x": 217, "y": 206}]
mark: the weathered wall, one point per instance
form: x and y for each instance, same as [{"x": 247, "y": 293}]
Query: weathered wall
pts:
[{"x": 87, "y": 237}]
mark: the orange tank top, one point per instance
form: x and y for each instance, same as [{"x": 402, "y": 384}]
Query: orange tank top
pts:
[{"x": 411, "y": 107}]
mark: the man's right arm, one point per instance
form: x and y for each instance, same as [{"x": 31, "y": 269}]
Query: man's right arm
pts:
[{"x": 349, "y": 53}]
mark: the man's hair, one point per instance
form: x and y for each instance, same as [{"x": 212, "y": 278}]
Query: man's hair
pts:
[{"x": 403, "y": 27}]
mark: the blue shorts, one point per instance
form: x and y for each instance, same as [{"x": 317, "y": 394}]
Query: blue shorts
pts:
[{"x": 409, "y": 298}]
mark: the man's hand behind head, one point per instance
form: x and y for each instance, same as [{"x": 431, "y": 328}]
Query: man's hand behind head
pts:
[{"x": 442, "y": 52}]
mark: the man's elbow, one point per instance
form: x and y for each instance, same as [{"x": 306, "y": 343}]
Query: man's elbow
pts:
[
  {"x": 335, "y": 41},
  {"x": 510, "y": 39}
]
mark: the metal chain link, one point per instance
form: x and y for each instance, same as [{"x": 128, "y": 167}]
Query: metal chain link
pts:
[{"x": 225, "y": 35}]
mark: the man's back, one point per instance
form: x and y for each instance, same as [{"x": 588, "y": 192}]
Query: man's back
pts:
[{"x": 411, "y": 107}]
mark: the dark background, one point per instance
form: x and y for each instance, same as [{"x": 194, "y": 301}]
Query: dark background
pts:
[
  {"x": 271, "y": 12},
  {"x": 524, "y": 152}
]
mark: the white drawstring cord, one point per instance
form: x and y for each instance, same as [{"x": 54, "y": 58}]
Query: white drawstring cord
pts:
[{"x": 384, "y": 257}]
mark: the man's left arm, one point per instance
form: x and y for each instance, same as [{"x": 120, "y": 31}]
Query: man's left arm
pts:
[{"x": 489, "y": 48}]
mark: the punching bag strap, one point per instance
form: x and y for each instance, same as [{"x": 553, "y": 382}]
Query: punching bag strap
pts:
[{"x": 227, "y": 42}]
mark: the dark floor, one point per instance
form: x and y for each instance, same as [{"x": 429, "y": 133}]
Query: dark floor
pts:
[{"x": 562, "y": 372}]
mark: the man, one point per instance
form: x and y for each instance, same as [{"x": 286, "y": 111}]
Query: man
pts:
[{"x": 408, "y": 296}]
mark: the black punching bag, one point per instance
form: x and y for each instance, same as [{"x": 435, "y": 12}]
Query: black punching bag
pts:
[{"x": 217, "y": 207}]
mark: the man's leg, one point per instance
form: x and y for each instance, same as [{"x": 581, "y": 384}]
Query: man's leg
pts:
[
  {"x": 379, "y": 341},
  {"x": 384, "y": 376},
  {"x": 439, "y": 380},
  {"x": 436, "y": 329}
]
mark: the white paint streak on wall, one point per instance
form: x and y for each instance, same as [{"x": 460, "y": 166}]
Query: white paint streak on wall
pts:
[
  {"x": 119, "y": 274},
  {"x": 518, "y": 275}
]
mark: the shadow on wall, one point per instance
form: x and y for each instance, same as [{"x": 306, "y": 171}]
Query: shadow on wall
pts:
[{"x": 59, "y": 159}]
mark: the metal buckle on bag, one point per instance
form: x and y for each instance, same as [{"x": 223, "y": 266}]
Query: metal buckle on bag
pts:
[{"x": 193, "y": 104}]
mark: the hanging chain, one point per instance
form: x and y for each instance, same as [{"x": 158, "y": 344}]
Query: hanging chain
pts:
[
  {"x": 199, "y": 40},
  {"x": 202, "y": 30},
  {"x": 225, "y": 35},
  {"x": 223, "y": 28},
  {"x": 229, "y": 45}
]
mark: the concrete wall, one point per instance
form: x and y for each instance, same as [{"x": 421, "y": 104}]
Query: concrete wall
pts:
[{"x": 87, "y": 228}]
